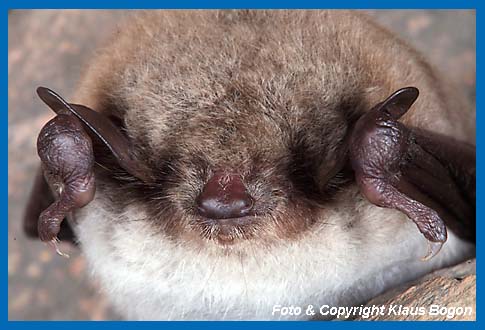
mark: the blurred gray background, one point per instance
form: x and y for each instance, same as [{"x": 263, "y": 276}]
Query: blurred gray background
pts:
[{"x": 50, "y": 48}]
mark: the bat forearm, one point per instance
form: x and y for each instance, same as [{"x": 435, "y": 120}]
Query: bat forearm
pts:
[
  {"x": 459, "y": 159},
  {"x": 443, "y": 171}
]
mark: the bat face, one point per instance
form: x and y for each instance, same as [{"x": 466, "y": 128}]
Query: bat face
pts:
[
  {"x": 285, "y": 156},
  {"x": 242, "y": 129},
  {"x": 273, "y": 117}
]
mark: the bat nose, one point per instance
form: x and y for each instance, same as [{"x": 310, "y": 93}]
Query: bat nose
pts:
[{"x": 224, "y": 196}]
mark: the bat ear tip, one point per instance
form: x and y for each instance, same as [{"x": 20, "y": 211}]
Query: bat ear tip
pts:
[
  {"x": 43, "y": 92},
  {"x": 400, "y": 101},
  {"x": 41, "y": 89},
  {"x": 404, "y": 97},
  {"x": 410, "y": 93}
]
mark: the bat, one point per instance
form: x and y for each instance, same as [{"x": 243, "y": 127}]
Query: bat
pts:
[{"x": 215, "y": 164}]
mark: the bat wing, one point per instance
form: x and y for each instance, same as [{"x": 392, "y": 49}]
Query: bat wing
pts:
[
  {"x": 427, "y": 176},
  {"x": 41, "y": 196},
  {"x": 66, "y": 150}
]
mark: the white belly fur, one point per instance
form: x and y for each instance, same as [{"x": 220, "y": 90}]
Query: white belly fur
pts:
[{"x": 148, "y": 277}]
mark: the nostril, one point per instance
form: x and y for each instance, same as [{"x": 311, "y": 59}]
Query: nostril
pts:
[
  {"x": 229, "y": 208},
  {"x": 224, "y": 196},
  {"x": 247, "y": 204}
]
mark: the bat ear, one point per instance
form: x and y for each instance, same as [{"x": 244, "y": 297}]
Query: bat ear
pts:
[
  {"x": 399, "y": 102},
  {"x": 102, "y": 127}
]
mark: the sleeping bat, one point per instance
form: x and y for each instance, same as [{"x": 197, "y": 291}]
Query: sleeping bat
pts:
[{"x": 214, "y": 164}]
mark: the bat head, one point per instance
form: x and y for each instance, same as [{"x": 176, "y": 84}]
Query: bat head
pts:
[
  {"x": 220, "y": 141},
  {"x": 236, "y": 169}
]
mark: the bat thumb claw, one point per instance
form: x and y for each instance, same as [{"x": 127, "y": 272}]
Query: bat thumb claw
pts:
[
  {"x": 55, "y": 244},
  {"x": 433, "y": 249}
]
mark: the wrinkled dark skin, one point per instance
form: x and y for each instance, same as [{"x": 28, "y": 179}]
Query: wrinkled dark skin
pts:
[
  {"x": 428, "y": 177},
  {"x": 67, "y": 158}
]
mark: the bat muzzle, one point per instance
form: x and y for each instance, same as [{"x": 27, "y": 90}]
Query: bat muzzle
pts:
[{"x": 224, "y": 197}]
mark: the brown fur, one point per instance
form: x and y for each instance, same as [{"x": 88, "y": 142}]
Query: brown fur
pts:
[{"x": 268, "y": 94}]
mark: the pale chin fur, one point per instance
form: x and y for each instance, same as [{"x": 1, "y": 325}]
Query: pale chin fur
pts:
[{"x": 149, "y": 277}]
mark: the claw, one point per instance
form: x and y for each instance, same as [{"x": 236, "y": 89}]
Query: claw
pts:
[
  {"x": 433, "y": 249},
  {"x": 55, "y": 243}
]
